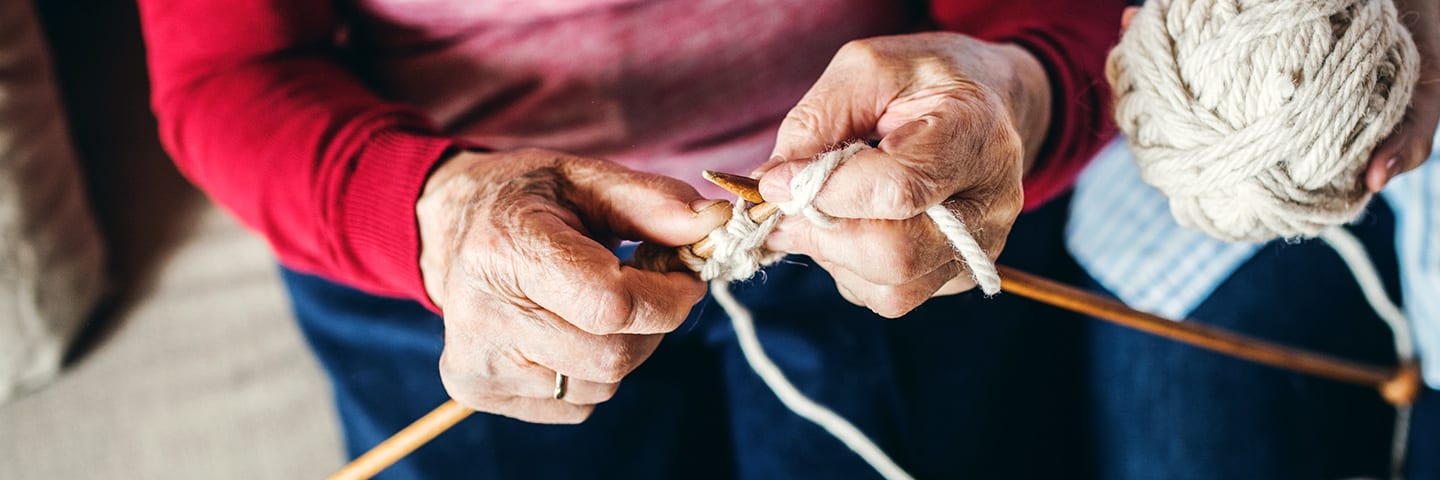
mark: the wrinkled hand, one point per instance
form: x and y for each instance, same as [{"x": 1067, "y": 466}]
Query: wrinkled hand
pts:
[
  {"x": 959, "y": 122},
  {"x": 1410, "y": 145},
  {"x": 511, "y": 250}
]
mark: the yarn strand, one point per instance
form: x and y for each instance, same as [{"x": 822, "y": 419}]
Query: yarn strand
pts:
[
  {"x": 1352, "y": 252},
  {"x": 791, "y": 397},
  {"x": 740, "y": 253}
]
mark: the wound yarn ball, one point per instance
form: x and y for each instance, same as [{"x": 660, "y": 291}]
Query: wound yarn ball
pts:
[{"x": 1257, "y": 118}]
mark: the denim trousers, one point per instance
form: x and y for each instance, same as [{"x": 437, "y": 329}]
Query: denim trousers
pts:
[
  {"x": 964, "y": 386},
  {"x": 1157, "y": 409}
]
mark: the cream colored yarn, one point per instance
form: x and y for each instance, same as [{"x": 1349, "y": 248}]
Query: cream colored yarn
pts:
[{"x": 1257, "y": 118}]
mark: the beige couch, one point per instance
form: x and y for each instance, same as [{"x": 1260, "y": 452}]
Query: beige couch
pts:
[{"x": 194, "y": 368}]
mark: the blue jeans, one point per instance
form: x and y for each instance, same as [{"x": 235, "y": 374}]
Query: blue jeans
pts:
[
  {"x": 963, "y": 386},
  {"x": 1159, "y": 409}
]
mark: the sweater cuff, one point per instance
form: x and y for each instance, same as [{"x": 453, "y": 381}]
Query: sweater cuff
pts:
[
  {"x": 379, "y": 209},
  {"x": 1079, "y": 122}
]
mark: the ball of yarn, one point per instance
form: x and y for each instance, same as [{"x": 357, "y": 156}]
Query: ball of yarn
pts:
[{"x": 1257, "y": 117}]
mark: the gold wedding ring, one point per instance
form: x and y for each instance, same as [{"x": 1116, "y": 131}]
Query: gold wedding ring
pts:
[{"x": 561, "y": 381}]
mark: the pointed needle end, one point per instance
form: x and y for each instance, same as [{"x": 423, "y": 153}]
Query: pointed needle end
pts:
[{"x": 746, "y": 187}]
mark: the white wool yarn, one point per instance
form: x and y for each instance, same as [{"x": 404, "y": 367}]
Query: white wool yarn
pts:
[
  {"x": 1257, "y": 117},
  {"x": 740, "y": 244},
  {"x": 806, "y": 185},
  {"x": 739, "y": 248}
]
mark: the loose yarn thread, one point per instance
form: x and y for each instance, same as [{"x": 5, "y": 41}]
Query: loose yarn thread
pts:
[
  {"x": 1257, "y": 117},
  {"x": 1352, "y": 252},
  {"x": 739, "y": 253}
]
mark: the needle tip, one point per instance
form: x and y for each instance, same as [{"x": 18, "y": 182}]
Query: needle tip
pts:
[{"x": 746, "y": 187}]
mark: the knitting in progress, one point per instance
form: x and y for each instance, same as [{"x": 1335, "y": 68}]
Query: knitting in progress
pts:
[
  {"x": 739, "y": 247},
  {"x": 739, "y": 253},
  {"x": 1257, "y": 117}
]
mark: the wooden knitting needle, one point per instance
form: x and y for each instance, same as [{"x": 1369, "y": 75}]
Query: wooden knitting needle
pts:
[
  {"x": 1397, "y": 386},
  {"x": 647, "y": 256},
  {"x": 400, "y": 444}
]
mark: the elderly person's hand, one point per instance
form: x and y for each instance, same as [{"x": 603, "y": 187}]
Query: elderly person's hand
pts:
[
  {"x": 1410, "y": 145},
  {"x": 514, "y": 251},
  {"x": 959, "y": 121}
]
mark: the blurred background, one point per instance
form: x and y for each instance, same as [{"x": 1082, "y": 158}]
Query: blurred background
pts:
[{"x": 183, "y": 359}]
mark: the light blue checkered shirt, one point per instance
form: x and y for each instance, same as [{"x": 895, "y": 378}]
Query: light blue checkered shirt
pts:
[{"x": 1122, "y": 233}]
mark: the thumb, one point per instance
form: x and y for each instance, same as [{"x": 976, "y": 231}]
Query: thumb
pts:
[
  {"x": 645, "y": 207},
  {"x": 820, "y": 122},
  {"x": 813, "y": 127}
]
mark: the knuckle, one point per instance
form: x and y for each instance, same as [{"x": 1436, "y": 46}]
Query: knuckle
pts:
[
  {"x": 892, "y": 265},
  {"x": 802, "y": 120},
  {"x": 905, "y": 195},
  {"x": 614, "y": 363},
  {"x": 911, "y": 258},
  {"x": 891, "y": 303},
  {"x": 606, "y": 391},
  {"x": 612, "y": 310},
  {"x": 863, "y": 50}
]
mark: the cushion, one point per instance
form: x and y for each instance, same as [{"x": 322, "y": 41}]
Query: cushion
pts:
[{"x": 51, "y": 255}]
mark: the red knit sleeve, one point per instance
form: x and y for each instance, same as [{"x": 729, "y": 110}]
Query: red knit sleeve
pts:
[
  {"x": 255, "y": 109},
  {"x": 1071, "y": 39}
]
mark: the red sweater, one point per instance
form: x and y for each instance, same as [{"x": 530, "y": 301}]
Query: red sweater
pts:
[{"x": 317, "y": 126}]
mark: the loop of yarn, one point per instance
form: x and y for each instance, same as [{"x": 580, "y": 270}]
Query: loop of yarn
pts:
[
  {"x": 806, "y": 185},
  {"x": 1257, "y": 117},
  {"x": 739, "y": 248}
]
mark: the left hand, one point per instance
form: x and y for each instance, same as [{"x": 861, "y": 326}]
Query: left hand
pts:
[
  {"x": 1410, "y": 145},
  {"x": 959, "y": 122}
]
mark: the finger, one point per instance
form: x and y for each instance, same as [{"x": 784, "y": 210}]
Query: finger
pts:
[
  {"x": 893, "y": 301},
  {"x": 844, "y": 289},
  {"x": 538, "y": 410},
  {"x": 1400, "y": 153},
  {"x": 959, "y": 284},
  {"x": 581, "y": 281},
  {"x": 534, "y": 379},
  {"x": 559, "y": 345},
  {"x": 1409, "y": 146},
  {"x": 640, "y": 206},
  {"x": 1126, "y": 17},
  {"x": 884, "y": 252},
  {"x": 510, "y": 386},
  {"x": 841, "y": 106},
  {"x": 952, "y": 149},
  {"x": 597, "y": 358}
]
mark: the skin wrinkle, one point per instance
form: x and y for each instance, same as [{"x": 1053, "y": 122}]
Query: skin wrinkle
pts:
[
  {"x": 543, "y": 211},
  {"x": 938, "y": 102},
  {"x": 526, "y": 234}
]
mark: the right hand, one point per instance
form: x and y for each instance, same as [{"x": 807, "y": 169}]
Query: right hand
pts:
[{"x": 514, "y": 252}]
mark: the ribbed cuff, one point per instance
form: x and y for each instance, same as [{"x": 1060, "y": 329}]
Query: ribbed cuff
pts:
[
  {"x": 1079, "y": 122},
  {"x": 379, "y": 222}
]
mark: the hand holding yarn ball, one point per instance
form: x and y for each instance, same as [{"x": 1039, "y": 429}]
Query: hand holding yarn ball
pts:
[{"x": 1260, "y": 119}]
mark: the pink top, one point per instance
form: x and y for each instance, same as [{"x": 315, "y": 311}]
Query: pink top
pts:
[
  {"x": 316, "y": 124},
  {"x": 669, "y": 87}
]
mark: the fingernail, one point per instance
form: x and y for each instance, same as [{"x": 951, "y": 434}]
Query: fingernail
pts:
[{"x": 701, "y": 205}]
